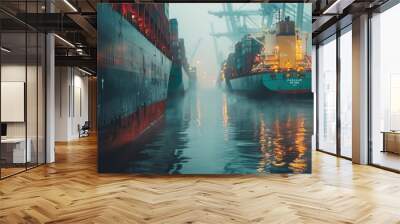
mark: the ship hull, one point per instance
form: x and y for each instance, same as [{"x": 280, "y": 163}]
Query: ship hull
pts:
[
  {"x": 178, "y": 80},
  {"x": 279, "y": 82},
  {"x": 247, "y": 84},
  {"x": 288, "y": 82},
  {"x": 133, "y": 78}
]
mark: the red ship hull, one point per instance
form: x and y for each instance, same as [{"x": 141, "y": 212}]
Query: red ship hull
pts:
[{"x": 132, "y": 126}]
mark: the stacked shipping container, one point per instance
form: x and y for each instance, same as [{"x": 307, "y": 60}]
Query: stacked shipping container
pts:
[
  {"x": 151, "y": 20},
  {"x": 246, "y": 51}
]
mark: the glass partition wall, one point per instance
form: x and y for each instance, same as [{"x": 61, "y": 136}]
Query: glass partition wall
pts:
[
  {"x": 22, "y": 107},
  {"x": 334, "y": 105}
]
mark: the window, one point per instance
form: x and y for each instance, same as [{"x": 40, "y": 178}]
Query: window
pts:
[
  {"x": 327, "y": 96},
  {"x": 385, "y": 89},
  {"x": 346, "y": 94}
]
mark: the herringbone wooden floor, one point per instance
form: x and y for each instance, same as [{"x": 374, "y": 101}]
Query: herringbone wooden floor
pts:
[{"x": 71, "y": 191}]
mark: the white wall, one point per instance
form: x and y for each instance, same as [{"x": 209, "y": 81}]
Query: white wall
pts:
[
  {"x": 33, "y": 127},
  {"x": 71, "y": 102},
  {"x": 80, "y": 112},
  {"x": 16, "y": 73},
  {"x": 11, "y": 73},
  {"x": 62, "y": 82}
]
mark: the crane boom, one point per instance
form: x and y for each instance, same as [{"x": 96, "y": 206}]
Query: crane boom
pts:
[
  {"x": 195, "y": 49},
  {"x": 217, "y": 52}
]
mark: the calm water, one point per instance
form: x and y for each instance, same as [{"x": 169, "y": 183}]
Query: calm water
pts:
[{"x": 212, "y": 132}]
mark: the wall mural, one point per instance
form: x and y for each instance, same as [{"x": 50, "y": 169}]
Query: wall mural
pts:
[{"x": 216, "y": 88}]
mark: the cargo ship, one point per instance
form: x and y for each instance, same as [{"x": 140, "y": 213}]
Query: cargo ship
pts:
[
  {"x": 235, "y": 70},
  {"x": 179, "y": 77},
  {"x": 134, "y": 64},
  {"x": 278, "y": 62}
]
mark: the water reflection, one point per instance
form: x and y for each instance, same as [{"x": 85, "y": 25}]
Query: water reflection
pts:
[{"x": 212, "y": 132}]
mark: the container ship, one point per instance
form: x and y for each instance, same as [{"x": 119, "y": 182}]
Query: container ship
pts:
[
  {"x": 134, "y": 63},
  {"x": 276, "y": 61},
  {"x": 236, "y": 69},
  {"x": 179, "y": 77}
]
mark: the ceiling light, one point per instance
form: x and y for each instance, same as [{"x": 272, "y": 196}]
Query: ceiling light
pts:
[
  {"x": 5, "y": 50},
  {"x": 331, "y": 7},
  {"x": 84, "y": 71},
  {"x": 65, "y": 41},
  {"x": 337, "y": 7},
  {"x": 79, "y": 51},
  {"x": 70, "y": 5}
]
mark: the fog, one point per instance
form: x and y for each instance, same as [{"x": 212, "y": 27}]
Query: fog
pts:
[{"x": 194, "y": 22}]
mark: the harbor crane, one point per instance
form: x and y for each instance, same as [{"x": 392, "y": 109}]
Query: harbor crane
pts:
[
  {"x": 240, "y": 22},
  {"x": 218, "y": 53},
  {"x": 196, "y": 47}
]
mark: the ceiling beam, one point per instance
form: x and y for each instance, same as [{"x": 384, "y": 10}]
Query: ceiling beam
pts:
[
  {"x": 86, "y": 26},
  {"x": 82, "y": 61}
]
